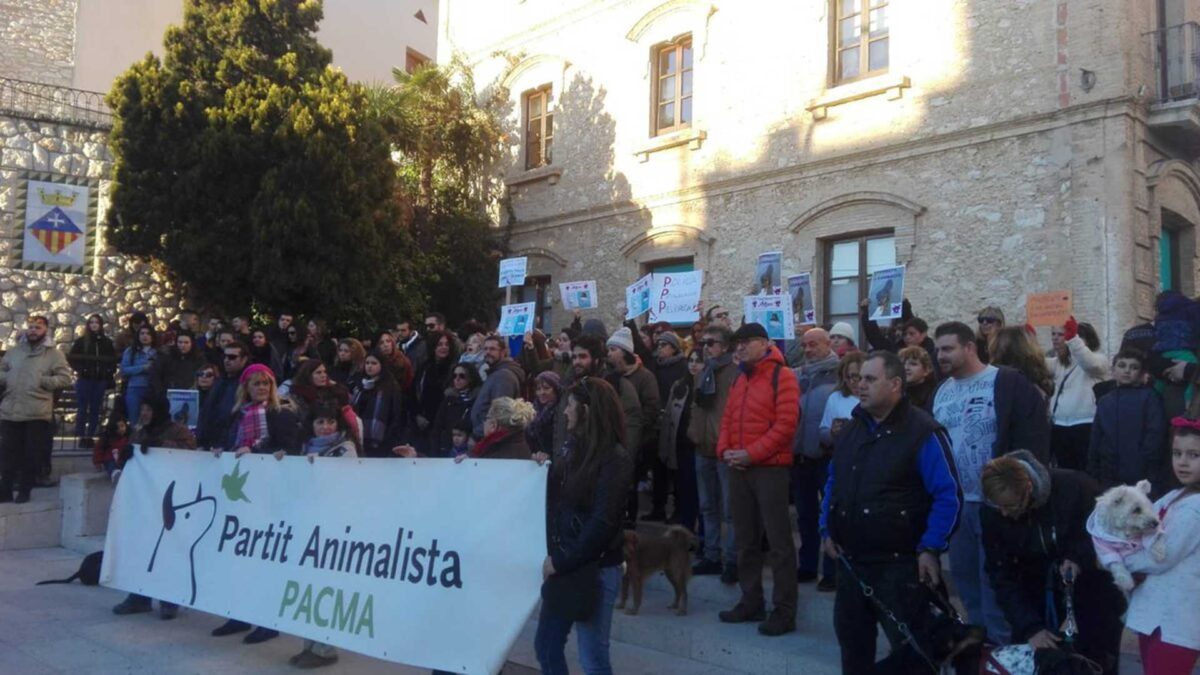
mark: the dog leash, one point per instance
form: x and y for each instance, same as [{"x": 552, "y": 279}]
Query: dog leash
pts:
[{"x": 901, "y": 627}]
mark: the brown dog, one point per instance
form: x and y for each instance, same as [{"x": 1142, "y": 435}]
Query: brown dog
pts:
[{"x": 669, "y": 553}]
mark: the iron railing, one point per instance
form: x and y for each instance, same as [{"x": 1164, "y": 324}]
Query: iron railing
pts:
[
  {"x": 1177, "y": 61},
  {"x": 50, "y": 103}
]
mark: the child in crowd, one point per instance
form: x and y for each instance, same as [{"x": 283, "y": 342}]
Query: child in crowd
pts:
[
  {"x": 112, "y": 442},
  {"x": 331, "y": 437},
  {"x": 460, "y": 436},
  {"x": 1129, "y": 433},
  {"x": 1162, "y": 610},
  {"x": 919, "y": 379}
]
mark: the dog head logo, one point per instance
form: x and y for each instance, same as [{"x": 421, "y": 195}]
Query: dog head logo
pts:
[{"x": 185, "y": 523}]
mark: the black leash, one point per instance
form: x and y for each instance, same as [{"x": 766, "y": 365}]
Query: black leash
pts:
[{"x": 901, "y": 627}]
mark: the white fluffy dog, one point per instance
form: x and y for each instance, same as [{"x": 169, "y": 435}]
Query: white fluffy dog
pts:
[{"x": 1123, "y": 522}]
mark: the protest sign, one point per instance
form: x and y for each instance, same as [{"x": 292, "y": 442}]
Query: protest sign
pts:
[
  {"x": 397, "y": 559},
  {"x": 773, "y": 312},
  {"x": 1049, "y": 309},
  {"x": 637, "y": 297},
  {"x": 800, "y": 290},
  {"x": 516, "y": 319},
  {"x": 886, "y": 297},
  {"x": 184, "y": 406},
  {"x": 512, "y": 272},
  {"x": 675, "y": 297},
  {"x": 768, "y": 274},
  {"x": 579, "y": 295}
]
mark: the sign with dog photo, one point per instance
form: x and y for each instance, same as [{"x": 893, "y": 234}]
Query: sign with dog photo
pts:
[
  {"x": 399, "y": 560},
  {"x": 886, "y": 297}
]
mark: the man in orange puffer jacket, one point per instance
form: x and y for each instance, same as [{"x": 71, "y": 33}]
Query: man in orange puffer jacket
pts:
[{"x": 756, "y": 442}]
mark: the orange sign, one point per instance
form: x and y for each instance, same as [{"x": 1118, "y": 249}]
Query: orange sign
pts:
[{"x": 1049, "y": 309}]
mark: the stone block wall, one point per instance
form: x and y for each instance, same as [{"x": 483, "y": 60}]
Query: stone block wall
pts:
[
  {"x": 37, "y": 40},
  {"x": 115, "y": 287}
]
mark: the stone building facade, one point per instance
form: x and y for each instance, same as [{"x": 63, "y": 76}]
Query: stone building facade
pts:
[{"x": 995, "y": 148}]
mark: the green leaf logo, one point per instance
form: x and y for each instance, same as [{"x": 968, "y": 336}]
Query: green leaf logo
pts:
[{"x": 232, "y": 484}]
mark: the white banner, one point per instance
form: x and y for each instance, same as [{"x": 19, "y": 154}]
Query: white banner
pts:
[
  {"x": 56, "y": 223},
  {"x": 675, "y": 296},
  {"x": 424, "y": 562}
]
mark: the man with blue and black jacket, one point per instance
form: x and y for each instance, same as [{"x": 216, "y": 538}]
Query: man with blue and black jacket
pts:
[{"x": 891, "y": 503}]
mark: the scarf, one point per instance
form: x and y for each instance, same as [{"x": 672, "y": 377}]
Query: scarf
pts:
[
  {"x": 252, "y": 430},
  {"x": 670, "y": 360},
  {"x": 708, "y": 379},
  {"x": 488, "y": 442},
  {"x": 368, "y": 383},
  {"x": 321, "y": 445}
]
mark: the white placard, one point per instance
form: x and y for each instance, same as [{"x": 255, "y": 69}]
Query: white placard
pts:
[
  {"x": 512, "y": 272},
  {"x": 886, "y": 299},
  {"x": 516, "y": 319},
  {"x": 675, "y": 296},
  {"x": 773, "y": 312},
  {"x": 800, "y": 291},
  {"x": 579, "y": 295},
  {"x": 398, "y": 559},
  {"x": 637, "y": 297},
  {"x": 184, "y": 406}
]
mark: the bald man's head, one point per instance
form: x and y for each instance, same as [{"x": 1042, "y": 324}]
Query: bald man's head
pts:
[{"x": 816, "y": 345}]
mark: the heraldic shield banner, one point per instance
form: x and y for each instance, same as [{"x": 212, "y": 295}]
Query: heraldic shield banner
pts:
[{"x": 57, "y": 219}]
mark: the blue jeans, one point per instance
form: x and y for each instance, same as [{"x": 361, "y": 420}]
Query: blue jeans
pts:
[
  {"x": 970, "y": 577},
  {"x": 90, "y": 396},
  {"x": 808, "y": 480},
  {"x": 133, "y": 402},
  {"x": 712, "y": 481},
  {"x": 552, "y": 632}
]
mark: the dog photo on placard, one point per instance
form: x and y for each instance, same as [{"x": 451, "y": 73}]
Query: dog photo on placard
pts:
[{"x": 646, "y": 555}]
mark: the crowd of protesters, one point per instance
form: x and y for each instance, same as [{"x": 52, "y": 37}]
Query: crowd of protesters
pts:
[{"x": 959, "y": 443}]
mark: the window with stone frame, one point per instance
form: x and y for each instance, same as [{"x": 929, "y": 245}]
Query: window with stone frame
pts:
[
  {"x": 673, "y": 85},
  {"x": 860, "y": 39},
  {"x": 849, "y": 264},
  {"x": 539, "y": 127}
]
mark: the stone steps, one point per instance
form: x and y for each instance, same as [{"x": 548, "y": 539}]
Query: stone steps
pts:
[{"x": 34, "y": 524}]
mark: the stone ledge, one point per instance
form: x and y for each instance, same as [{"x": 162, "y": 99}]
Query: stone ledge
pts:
[
  {"x": 86, "y": 499},
  {"x": 34, "y": 524},
  {"x": 691, "y": 137},
  {"x": 549, "y": 173},
  {"x": 891, "y": 85}
]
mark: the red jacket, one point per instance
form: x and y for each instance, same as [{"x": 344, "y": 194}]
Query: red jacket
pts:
[{"x": 760, "y": 418}]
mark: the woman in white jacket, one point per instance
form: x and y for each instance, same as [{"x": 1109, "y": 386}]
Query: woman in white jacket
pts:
[
  {"x": 1162, "y": 610},
  {"x": 1076, "y": 365}
]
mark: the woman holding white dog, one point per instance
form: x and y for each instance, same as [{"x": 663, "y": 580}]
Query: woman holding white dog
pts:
[{"x": 1162, "y": 610}]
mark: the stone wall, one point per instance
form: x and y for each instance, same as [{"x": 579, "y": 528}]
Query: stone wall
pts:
[
  {"x": 37, "y": 40},
  {"x": 999, "y": 168},
  {"x": 116, "y": 285}
]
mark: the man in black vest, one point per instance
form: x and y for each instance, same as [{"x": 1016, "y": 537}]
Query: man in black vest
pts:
[{"x": 891, "y": 502}]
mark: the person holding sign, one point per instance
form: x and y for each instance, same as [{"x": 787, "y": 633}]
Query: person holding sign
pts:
[
  {"x": 1077, "y": 366},
  {"x": 589, "y": 481}
]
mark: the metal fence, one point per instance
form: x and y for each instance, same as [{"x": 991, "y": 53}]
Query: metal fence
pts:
[
  {"x": 1177, "y": 61},
  {"x": 49, "y": 103}
]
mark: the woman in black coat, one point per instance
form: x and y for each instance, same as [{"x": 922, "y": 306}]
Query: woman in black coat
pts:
[
  {"x": 429, "y": 389},
  {"x": 590, "y": 479},
  {"x": 379, "y": 404},
  {"x": 1036, "y": 543},
  {"x": 457, "y": 401}
]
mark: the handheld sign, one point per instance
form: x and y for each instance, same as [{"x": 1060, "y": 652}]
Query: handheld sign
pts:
[
  {"x": 184, "y": 406},
  {"x": 637, "y": 297},
  {"x": 800, "y": 290},
  {"x": 768, "y": 274},
  {"x": 886, "y": 298},
  {"x": 579, "y": 295},
  {"x": 772, "y": 312},
  {"x": 516, "y": 319},
  {"x": 1049, "y": 309},
  {"x": 675, "y": 297},
  {"x": 512, "y": 272}
]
